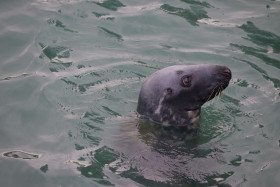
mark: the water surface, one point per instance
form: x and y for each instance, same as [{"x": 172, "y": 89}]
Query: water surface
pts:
[{"x": 71, "y": 71}]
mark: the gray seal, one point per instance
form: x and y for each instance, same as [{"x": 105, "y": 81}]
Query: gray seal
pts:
[{"x": 173, "y": 96}]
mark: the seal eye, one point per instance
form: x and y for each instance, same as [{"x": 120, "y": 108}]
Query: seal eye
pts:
[{"x": 186, "y": 81}]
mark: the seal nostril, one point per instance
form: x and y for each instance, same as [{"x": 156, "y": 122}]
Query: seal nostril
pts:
[{"x": 226, "y": 73}]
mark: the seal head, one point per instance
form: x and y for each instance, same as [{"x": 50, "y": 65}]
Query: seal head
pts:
[{"x": 173, "y": 96}]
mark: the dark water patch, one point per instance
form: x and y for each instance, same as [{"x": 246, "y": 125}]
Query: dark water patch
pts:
[
  {"x": 248, "y": 160},
  {"x": 90, "y": 135},
  {"x": 111, "y": 34},
  {"x": 192, "y": 15},
  {"x": 135, "y": 175},
  {"x": 59, "y": 24},
  {"x": 53, "y": 52},
  {"x": 92, "y": 127},
  {"x": 105, "y": 155},
  {"x": 236, "y": 161},
  {"x": 230, "y": 100},
  {"x": 93, "y": 140},
  {"x": 254, "y": 152},
  {"x": 44, "y": 168},
  {"x": 15, "y": 77},
  {"x": 140, "y": 75},
  {"x": 242, "y": 83},
  {"x": 95, "y": 117},
  {"x": 21, "y": 155},
  {"x": 80, "y": 66},
  {"x": 110, "y": 111},
  {"x": 70, "y": 83},
  {"x": 261, "y": 37},
  {"x": 110, "y": 4},
  {"x": 259, "y": 54},
  {"x": 57, "y": 67},
  {"x": 83, "y": 87},
  {"x": 57, "y": 56},
  {"x": 79, "y": 147},
  {"x": 218, "y": 179},
  {"x": 94, "y": 170},
  {"x": 166, "y": 46},
  {"x": 85, "y": 135},
  {"x": 199, "y": 3},
  {"x": 275, "y": 81},
  {"x": 98, "y": 160}
]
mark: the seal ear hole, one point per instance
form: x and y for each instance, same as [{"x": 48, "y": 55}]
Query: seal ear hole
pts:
[
  {"x": 186, "y": 81},
  {"x": 169, "y": 91}
]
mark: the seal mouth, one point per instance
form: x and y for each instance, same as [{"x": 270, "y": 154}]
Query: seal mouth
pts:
[
  {"x": 190, "y": 109},
  {"x": 217, "y": 90}
]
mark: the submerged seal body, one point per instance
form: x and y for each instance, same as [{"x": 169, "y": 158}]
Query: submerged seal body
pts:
[{"x": 173, "y": 96}]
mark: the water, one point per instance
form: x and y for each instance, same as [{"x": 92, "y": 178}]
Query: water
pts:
[{"x": 71, "y": 71}]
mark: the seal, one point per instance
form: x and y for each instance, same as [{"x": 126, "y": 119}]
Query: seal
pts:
[{"x": 173, "y": 96}]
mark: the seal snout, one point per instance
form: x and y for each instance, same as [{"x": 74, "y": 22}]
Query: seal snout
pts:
[
  {"x": 225, "y": 72},
  {"x": 224, "y": 76}
]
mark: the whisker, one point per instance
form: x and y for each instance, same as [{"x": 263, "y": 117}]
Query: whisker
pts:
[
  {"x": 220, "y": 93},
  {"x": 211, "y": 94}
]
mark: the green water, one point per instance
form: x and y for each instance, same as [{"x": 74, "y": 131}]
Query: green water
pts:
[{"x": 71, "y": 71}]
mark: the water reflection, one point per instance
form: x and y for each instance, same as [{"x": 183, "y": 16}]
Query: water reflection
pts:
[
  {"x": 264, "y": 40},
  {"x": 111, "y": 34},
  {"x": 267, "y": 42},
  {"x": 192, "y": 15},
  {"x": 261, "y": 37},
  {"x": 199, "y": 3},
  {"x": 98, "y": 73},
  {"x": 21, "y": 155},
  {"x": 99, "y": 159},
  {"x": 153, "y": 155},
  {"x": 110, "y": 4},
  {"x": 59, "y": 24}
]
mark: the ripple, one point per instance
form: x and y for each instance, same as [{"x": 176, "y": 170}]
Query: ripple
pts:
[
  {"x": 194, "y": 2},
  {"x": 110, "y": 4},
  {"x": 13, "y": 77},
  {"x": 103, "y": 16},
  {"x": 21, "y": 155},
  {"x": 112, "y": 83},
  {"x": 261, "y": 37},
  {"x": 111, "y": 34},
  {"x": 59, "y": 24},
  {"x": 55, "y": 52},
  {"x": 88, "y": 70},
  {"x": 213, "y": 22},
  {"x": 256, "y": 52},
  {"x": 192, "y": 15}
]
